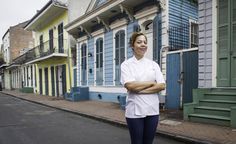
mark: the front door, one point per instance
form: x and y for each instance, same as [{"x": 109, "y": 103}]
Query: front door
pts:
[
  {"x": 52, "y": 81},
  {"x": 46, "y": 80},
  {"x": 84, "y": 64},
  {"x": 119, "y": 54},
  {"x": 99, "y": 62},
  {"x": 40, "y": 82},
  {"x": 226, "y": 68}
]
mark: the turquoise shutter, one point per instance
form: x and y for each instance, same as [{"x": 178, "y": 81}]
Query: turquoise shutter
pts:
[
  {"x": 233, "y": 43},
  {"x": 223, "y": 68}
]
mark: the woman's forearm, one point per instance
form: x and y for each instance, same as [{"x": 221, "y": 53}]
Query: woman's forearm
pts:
[
  {"x": 154, "y": 89},
  {"x": 136, "y": 86}
]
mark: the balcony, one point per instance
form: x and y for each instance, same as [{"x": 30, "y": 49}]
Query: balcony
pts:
[
  {"x": 1, "y": 58},
  {"x": 50, "y": 49}
]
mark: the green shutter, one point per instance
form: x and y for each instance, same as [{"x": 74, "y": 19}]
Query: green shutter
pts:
[
  {"x": 223, "y": 68},
  {"x": 233, "y": 43}
]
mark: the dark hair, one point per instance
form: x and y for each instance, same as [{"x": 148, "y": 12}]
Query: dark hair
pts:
[{"x": 134, "y": 36}]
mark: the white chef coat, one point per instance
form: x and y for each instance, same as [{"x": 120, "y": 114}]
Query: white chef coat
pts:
[{"x": 141, "y": 105}]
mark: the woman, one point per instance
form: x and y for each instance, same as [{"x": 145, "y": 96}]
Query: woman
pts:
[{"x": 143, "y": 80}]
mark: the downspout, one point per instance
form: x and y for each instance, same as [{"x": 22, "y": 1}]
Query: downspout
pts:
[{"x": 181, "y": 79}]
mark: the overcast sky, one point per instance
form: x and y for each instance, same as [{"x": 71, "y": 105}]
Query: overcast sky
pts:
[{"x": 13, "y": 12}]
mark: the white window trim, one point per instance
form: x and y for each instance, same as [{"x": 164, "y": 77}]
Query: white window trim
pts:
[
  {"x": 95, "y": 69},
  {"x": 124, "y": 27},
  {"x": 118, "y": 23},
  {"x": 78, "y": 64},
  {"x": 146, "y": 13},
  {"x": 191, "y": 21},
  {"x": 80, "y": 53},
  {"x": 98, "y": 32}
]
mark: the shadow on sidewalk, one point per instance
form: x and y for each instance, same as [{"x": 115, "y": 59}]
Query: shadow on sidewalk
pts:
[{"x": 172, "y": 114}]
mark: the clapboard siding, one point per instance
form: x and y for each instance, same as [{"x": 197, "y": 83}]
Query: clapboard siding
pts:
[
  {"x": 205, "y": 44},
  {"x": 109, "y": 58}
]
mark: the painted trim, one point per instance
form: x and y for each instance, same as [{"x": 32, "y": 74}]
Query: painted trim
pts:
[
  {"x": 184, "y": 50},
  {"x": 108, "y": 89},
  {"x": 78, "y": 63},
  {"x": 118, "y": 23},
  {"x": 124, "y": 27},
  {"x": 191, "y": 21},
  {"x": 90, "y": 15},
  {"x": 214, "y": 43},
  {"x": 82, "y": 39},
  {"x": 80, "y": 53},
  {"x": 47, "y": 57},
  {"x": 95, "y": 69},
  {"x": 98, "y": 32},
  {"x": 141, "y": 21},
  {"x": 144, "y": 14}
]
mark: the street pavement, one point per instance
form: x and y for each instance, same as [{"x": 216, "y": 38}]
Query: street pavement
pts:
[
  {"x": 24, "y": 122},
  {"x": 171, "y": 123}
]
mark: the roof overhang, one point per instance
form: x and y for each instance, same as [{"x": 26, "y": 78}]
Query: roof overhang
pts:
[
  {"x": 12, "y": 66},
  {"x": 4, "y": 65},
  {"x": 102, "y": 15},
  {"x": 50, "y": 11},
  {"x": 46, "y": 58}
]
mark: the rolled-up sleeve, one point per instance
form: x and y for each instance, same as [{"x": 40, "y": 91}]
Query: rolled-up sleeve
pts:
[{"x": 126, "y": 75}]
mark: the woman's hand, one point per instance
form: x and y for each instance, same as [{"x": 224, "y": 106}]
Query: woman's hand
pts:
[
  {"x": 157, "y": 87},
  {"x": 137, "y": 87}
]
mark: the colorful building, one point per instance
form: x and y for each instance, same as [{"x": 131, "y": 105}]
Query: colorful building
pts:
[
  {"x": 49, "y": 62},
  {"x": 215, "y": 99},
  {"x": 103, "y": 34}
]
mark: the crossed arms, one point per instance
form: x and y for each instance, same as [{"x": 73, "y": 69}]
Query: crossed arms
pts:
[{"x": 146, "y": 87}]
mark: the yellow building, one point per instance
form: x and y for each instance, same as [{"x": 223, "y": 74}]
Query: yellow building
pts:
[{"x": 50, "y": 59}]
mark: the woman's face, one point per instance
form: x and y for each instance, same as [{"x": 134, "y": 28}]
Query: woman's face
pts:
[{"x": 140, "y": 46}]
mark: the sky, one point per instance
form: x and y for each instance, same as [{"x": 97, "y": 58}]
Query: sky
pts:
[{"x": 13, "y": 12}]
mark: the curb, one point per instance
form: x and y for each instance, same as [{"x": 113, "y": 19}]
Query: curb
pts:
[{"x": 181, "y": 138}]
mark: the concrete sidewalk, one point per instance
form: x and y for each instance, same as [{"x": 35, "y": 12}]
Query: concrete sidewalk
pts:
[{"x": 171, "y": 123}]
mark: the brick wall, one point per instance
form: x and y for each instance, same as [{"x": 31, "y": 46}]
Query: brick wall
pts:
[{"x": 19, "y": 39}]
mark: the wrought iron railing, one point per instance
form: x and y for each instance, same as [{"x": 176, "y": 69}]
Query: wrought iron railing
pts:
[
  {"x": 179, "y": 37},
  {"x": 48, "y": 48}
]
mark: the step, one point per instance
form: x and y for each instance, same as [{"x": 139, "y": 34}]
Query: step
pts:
[
  {"x": 220, "y": 96},
  {"x": 226, "y": 89},
  {"x": 212, "y": 111},
  {"x": 212, "y": 119},
  {"x": 217, "y": 103}
]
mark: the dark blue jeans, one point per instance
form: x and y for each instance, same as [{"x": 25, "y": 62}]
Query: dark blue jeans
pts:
[{"x": 142, "y": 130}]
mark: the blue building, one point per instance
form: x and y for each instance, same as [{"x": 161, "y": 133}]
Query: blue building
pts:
[{"x": 103, "y": 31}]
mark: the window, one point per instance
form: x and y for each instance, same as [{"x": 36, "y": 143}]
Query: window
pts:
[
  {"x": 41, "y": 45},
  {"x": 60, "y": 38},
  {"x": 73, "y": 53},
  {"x": 51, "y": 40},
  {"x": 84, "y": 64},
  {"x": 99, "y": 61},
  {"x": 119, "y": 54},
  {"x": 194, "y": 34}
]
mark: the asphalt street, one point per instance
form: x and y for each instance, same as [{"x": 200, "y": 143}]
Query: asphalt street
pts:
[{"x": 23, "y": 122}]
